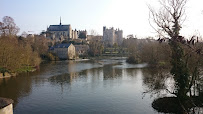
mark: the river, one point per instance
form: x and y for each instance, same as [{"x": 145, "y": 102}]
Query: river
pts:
[{"x": 99, "y": 86}]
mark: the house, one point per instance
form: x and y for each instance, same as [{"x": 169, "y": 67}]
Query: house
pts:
[
  {"x": 82, "y": 50},
  {"x": 64, "y": 51}
]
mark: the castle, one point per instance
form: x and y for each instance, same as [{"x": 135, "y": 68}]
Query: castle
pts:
[
  {"x": 111, "y": 36},
  {"x": 63, "y": 32}
]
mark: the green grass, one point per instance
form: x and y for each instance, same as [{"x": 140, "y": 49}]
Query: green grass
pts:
[{"x": 26, "y": 69}]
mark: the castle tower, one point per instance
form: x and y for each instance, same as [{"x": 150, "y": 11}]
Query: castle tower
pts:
[
  {"x": 111, "y": 36},
  {"x": 60, "y": 20}
]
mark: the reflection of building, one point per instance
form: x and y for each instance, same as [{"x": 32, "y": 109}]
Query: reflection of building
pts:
[
  {"x": 110, "y": 73},
  {"x": 64, "y": 51},
  {"x": 15, "y": 88},
  {"x": 111, "y": 36},
  {"x": 81, "y": 50}
]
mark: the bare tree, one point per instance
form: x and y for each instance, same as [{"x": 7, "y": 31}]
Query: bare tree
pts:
[
  {"x": 8, "y": 27},
  {"x": 24, "y": 34},
  {"x": 93, "y": 32},
  {"x": 168, "y": 20}
]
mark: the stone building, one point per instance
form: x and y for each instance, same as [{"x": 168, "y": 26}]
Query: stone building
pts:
[
  {"x": 61, "y": 32},
  {"x": 111, "y": 36},
  {"x": 64, "y": 51},
  {"x": 82, "y": 34},
  {"x": 94, "y": 38},
  {"x": 82, "y": 50}
]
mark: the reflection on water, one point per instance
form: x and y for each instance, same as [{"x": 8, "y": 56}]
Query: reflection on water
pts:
[
  {"x": 15, "y": 87},
  {"x": 157, "y": 81},
  {"x": 103, "y": 86}
]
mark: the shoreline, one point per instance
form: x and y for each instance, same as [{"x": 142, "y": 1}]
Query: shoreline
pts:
[{"x": 7, "y": 75}]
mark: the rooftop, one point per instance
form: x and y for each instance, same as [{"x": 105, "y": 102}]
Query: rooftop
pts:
[
  {"x": 59, "y": 28},
  {"x": 62, "y": 45}
]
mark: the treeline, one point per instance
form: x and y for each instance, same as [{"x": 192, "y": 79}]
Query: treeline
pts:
[
  {"x": 147, "y": 51},
  {"x": 155, "y": 53},
  {"x": 18, "y": 54},
  {"x": 16, "y": 57}
]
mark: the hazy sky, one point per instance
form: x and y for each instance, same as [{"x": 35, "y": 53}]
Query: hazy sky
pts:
[{"x": 129, "y": 15}]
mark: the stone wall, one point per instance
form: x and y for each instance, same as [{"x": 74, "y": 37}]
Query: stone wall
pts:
[
  {"x": 62, "y": 53},
  {"x": 65, "y": 53},
  {"x": 71, "y": 52},
  {"x": 81, "y": 49},
  {"x": 111, "y": 36}
]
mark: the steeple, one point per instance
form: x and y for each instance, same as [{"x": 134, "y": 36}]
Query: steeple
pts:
[{"x": 60, "y": 20}]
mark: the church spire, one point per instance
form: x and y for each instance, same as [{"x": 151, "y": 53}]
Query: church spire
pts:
[{"x": 60, "y": 20}]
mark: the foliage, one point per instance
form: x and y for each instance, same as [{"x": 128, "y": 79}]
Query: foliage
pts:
[
  {"x": 8, "y": 27},
  {"x": 95, "y": 48},
  {"x": 14, "y": 56},
  {"x": 52, "y": 57},
  {"x": 148, "y": 51},
  {"x": 168, "y": 20},
  {"x": 16, "y": 52},
  {"x": 65, "y": 42},
  {"x": 132, "y": 59},
  {"x": 26, "y": 69}
]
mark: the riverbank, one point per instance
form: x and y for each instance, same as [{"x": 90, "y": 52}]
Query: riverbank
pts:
[
  {"x": 106, "y": 57},
  {"x": 172, "y": 104},
  {"x": 23, "y": 69},
  {"x": 7, "y": 75}
]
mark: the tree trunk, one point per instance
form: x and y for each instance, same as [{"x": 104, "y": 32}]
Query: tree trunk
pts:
[{"x": 179, "y": 70}]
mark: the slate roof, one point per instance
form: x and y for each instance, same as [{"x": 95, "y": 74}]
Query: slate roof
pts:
[
  {"x": 59, "y": 28},
  {"x": 62, "y": 45}
]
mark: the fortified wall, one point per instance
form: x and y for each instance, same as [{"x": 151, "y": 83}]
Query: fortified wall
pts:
[{"x": 111, "y": 36}]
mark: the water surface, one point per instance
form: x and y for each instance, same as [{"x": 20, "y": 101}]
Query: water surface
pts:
[{"x": 101, "y": 86}]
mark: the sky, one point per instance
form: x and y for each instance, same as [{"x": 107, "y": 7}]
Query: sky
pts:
[{"x": 33, "y": 16}]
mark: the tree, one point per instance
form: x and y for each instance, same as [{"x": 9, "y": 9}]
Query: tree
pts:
[
  {"x": 95, "y": 48},
  {"x": 16, "y": 53},
  {"x": 24, "y": 34},
  {"x": 8, "y": 27},
  {"x": 168, "y": 21},
  {"x": 10, "y": 56},
  {"x": 93, "y": 32}
]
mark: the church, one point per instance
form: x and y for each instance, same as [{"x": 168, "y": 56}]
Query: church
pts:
[{"x": 61, "y": 32}]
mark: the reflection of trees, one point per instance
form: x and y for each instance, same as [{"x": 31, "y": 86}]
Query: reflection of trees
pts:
[
  {"x": 158, "y": 82},
  {"x": 168, "y": 21},
  {"x": 201, "y": 86},
  {"x": 131, "y": 72},
  {"x": 155, "y": 80},
  {"x": 15, "y": 87},
  {"x": 111, "y": 73},
  {"x": 95, "y": 73},
  {"x": 63, "y": 78},
  {"x": 21, "y": 85}
]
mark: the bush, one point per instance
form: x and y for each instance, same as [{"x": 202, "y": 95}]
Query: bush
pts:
[
  {"x": 51, "y": 57},
  {"x": 132, "y": 60}
]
